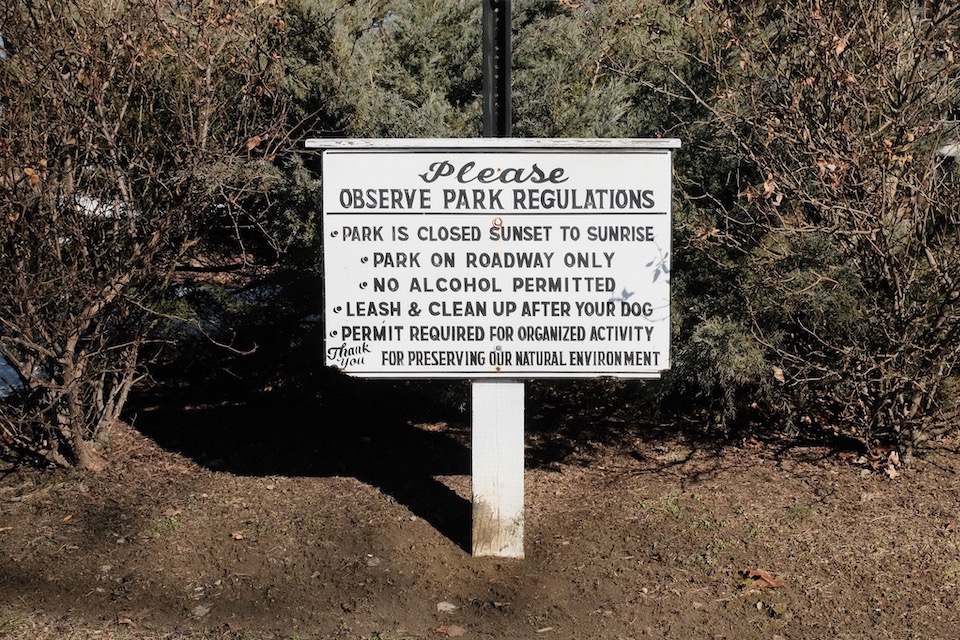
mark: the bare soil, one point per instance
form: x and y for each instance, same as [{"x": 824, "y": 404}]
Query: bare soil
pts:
[{"x": 347, "y": 515}]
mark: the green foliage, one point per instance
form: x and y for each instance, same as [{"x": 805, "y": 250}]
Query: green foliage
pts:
[
  {"x": 386, "y": 69},
  {"x": 573, "y": 72},
  {"x": 722, "y": 364}
]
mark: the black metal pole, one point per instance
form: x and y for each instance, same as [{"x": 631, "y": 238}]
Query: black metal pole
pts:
[{"x": 497, "y": 58}]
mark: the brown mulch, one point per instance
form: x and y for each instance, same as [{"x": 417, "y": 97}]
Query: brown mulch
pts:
[{"x": 649, "y": 538}]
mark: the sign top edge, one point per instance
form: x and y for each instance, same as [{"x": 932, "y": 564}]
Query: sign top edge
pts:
[{"x": 570, "y": 144}]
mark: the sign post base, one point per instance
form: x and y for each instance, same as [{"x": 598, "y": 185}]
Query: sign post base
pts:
[{"x": 498, "y": 468}]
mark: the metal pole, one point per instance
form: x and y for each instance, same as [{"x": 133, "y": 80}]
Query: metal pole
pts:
[{"x": 497, "y": 60}]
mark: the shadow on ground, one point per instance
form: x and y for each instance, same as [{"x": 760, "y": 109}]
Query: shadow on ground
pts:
[
  {"x": 376, "y": 431},
  {"x": 400, "y": 436}
]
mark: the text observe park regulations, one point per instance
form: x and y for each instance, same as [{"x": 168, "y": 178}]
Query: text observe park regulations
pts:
[{"x": 497, "y": 263}]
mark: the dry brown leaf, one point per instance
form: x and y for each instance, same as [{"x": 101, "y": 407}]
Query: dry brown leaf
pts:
[
  {"x": 841, "y": 45},
  {"x": 769, "y": 186},
  {"x": 450, "y": 631},
  {"x": 763, "y": 579}
]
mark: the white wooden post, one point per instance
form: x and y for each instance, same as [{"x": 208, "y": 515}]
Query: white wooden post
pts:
[{"x": 498, "y": 468}]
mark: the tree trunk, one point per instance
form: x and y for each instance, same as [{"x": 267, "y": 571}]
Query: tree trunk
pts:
[{"x": 87, "y": 456}]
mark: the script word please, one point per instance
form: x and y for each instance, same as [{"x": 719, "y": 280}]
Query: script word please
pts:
[{"x": 469, "y": 172}]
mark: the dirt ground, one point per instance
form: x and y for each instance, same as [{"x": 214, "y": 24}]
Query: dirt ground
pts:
[{"x": 348, "y": 516}]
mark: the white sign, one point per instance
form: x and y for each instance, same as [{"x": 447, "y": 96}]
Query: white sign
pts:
[{"x": 512, "y": 263}]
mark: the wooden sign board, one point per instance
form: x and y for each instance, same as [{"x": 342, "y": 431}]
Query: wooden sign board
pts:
[{"x": 505, "y": 259}]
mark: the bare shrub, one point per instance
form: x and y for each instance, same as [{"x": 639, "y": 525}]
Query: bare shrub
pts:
[{"x": 126, "y": 131}]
